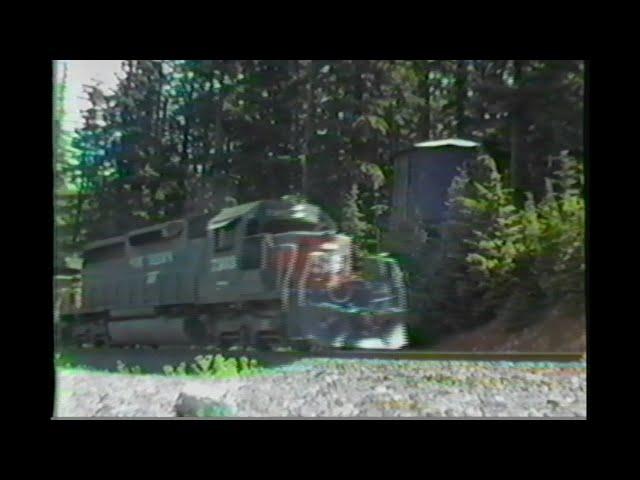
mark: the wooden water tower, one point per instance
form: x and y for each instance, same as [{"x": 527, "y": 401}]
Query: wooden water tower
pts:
[{"x": 422, "y": 177}]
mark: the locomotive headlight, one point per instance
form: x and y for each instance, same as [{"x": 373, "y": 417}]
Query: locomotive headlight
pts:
[
  {"x": 328, "y": 262},
  {"x": 329, "y": 246}
]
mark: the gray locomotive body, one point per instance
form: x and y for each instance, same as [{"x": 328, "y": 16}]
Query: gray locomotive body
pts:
[{"x": 255, "y": 274}]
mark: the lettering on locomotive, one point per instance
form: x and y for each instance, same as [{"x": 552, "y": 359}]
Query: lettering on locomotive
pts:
[
  {"x": 160, "y": 258},
  {"x": 224, "y": 263}
]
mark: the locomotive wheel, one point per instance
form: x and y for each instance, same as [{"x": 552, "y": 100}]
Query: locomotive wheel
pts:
[
  {"x": 195, "y": 330},
  {"x": 266, "y": 343},
  {"x": 226, "y": 340},
  {"x": 212, "y": 333},
  {"x": 103, "y": 339},
  {"x": 261, "y": 343}
]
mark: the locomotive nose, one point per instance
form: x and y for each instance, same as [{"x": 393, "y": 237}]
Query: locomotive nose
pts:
[{"x": 305, "y": 243}]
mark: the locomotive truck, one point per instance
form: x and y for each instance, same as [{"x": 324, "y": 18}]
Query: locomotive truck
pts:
[{"x": 261, "y": 274}]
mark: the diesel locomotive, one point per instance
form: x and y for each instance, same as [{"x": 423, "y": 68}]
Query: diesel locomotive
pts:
[{"x": 261, "y": 274}]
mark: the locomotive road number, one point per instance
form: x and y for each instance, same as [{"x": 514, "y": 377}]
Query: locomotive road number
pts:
[
  {"x": 225, "y": 263},
  {"x": 152, "y": 277}
]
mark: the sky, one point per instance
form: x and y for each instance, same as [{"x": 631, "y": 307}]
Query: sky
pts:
[{"x": 83, "y": 72}]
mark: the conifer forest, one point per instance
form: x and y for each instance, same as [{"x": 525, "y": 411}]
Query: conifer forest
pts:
[{"x": 180, "y": 138}]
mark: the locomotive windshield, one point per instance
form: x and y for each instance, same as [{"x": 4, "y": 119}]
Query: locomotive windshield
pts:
[{"x": 224, "y": 236}]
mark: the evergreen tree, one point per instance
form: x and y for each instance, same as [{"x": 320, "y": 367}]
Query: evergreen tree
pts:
[{"x": 177, "y": 137}]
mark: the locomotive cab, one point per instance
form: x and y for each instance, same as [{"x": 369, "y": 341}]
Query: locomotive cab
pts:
[
  {"x": 292, "y": 256},
  {"x": 242, "y": 238}
]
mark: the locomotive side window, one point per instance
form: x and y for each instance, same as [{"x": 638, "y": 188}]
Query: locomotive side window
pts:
[
  {"x": 251, "y": 253},
  {"x": 147, "y": 237},
  {"x": 223, "y": 236},
  {"x": 105, "y": 253}
]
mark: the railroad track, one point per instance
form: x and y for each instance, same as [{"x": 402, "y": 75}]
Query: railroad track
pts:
[
  {"x": 153, "y": 360},
  {"x": 460, "y": 356}
]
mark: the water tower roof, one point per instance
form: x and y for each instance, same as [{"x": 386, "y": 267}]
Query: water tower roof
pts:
[{"x": 454, "y": 142}]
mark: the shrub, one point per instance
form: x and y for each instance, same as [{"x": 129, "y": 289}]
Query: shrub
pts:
[
  {"x": 540, "y": 247},
  {"x": 203, "y": 366},
  {"x": 418, "y": 337},
  {"x": 218, "y": 367},
  {"x": 491, "y": 250},
  {"x": 180, "y": 369},
  {"x": 64, "y": 361},
  {"x": 352, "y": 217},
  {"x": 133, "y": 370}
]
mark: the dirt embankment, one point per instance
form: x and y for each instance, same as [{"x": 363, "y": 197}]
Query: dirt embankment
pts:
[{"x": 557, "y": 329}]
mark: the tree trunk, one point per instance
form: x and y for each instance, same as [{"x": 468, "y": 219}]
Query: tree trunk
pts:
[
  {"x": 356, "y": 142},
  {"x": 308, "y": 126},
  {"x": 207, "y": 164},
  {"x": 177, "y": 206},
  {"x": 219, "y": 139},
  {"x": 461, "y": 97},
  {"x": 517, "y": 164},
  {"x": 184, "y": 149},
  {"x": 77, "y": 220},
  {"x": 426, "y": 115}
]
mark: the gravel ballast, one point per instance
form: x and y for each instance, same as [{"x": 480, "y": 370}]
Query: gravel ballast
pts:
[{"x": 337, "y": 388}]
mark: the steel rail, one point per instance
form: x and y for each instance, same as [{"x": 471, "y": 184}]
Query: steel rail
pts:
[{"x": 103, "y": 356}]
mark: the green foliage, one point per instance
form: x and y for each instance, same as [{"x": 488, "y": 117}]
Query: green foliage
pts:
[
  {"x": 132, "y": 370},
  {"x": 418, "y": 337},
  {"x": 64, "y": 361},
  {"x": 178, "y": 370},
  {"x": 520, "y": 241},
  {"x": 373, "y": 174},
  {"x": 495, "y": 249},
  {"x": 215, "y": 367},
  {"x": 352, "y": 222},
  {"x": 69, "y": 362},
  {"x": 202, "y": 366},
  {"x": 496, "y": 252}
]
